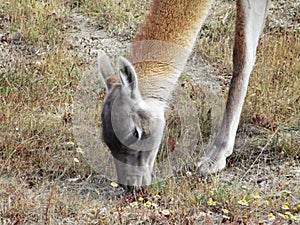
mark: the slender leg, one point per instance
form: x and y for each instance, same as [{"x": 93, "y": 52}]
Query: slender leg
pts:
[{"x": 249, "y": 24}]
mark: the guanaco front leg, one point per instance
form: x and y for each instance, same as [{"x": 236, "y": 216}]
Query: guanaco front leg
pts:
[{"x": 249, "y": 24}]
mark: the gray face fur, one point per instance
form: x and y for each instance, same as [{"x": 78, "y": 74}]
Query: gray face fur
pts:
[{"x": 132, "y": 126}]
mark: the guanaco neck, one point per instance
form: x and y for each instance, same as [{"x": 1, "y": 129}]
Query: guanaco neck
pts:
[{"x": 164, "y": 43}]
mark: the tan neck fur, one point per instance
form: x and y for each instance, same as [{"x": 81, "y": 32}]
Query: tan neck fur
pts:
[
  {"x": 175, "y": 21},
  {"x": 163, "y": 44}
]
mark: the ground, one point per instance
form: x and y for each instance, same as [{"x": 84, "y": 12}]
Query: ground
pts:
[{"x": 47, "y": 49}]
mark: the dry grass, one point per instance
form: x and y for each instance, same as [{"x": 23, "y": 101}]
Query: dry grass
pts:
[
  {"x": 118, "y": 18},
  {"x": 40, "y": 182}
]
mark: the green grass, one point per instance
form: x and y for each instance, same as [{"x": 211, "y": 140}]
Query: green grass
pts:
[{"x": 38, "y": 81}]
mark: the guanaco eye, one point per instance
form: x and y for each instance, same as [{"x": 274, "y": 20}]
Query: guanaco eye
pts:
[{"x": 136, "y": 133}]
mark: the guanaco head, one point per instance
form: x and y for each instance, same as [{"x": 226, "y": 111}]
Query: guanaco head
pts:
[{"x": 132, "y": 127}]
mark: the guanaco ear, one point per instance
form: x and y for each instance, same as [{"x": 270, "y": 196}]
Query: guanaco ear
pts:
[
  {"x": 105, "y": 69},
  {"x": 128, "y": 76}
]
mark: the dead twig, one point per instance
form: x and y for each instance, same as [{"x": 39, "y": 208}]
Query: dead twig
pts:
[
  {"x": 120, "y": 214},
  {"x": 49, "y": 200}
]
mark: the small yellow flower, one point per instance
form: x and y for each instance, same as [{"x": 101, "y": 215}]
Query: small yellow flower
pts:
[
  {"x": 293, "y": 217},
  {"x": 134, "y": 203},
  {"x": 296, "y": 208},
  {"x": 267, "y": 202},
  {"x": 76, "y": 160},
  {"x": 271, "y": 216},
  {"x": 114, "y": 184},
  {"x": 256, "y": 196},
  {"x": 225, "y": 211},
  {"x": 147, "y": 203},
  {"x": 188, "y": 173},
  {"x": 226, "y": 217},
  {"x": 283, "y": 215},
  {"x": 93, "y": 211},
  {"x": 157, "y": 196},
  {"x": 288, "y": 213},
  {"x": 243, "y": 202},
  {"x": 211, "y": 192},
  {"x": 79, "y": 150},
  {"x": 154, "y": 205},
  {"x": 71, "y": 143},
  {"x": 140, "y": 199},
  {"x": 211, "y": 202},
  {"x": 166, "y": 212},
  {"x": 285, "y": 206}
]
